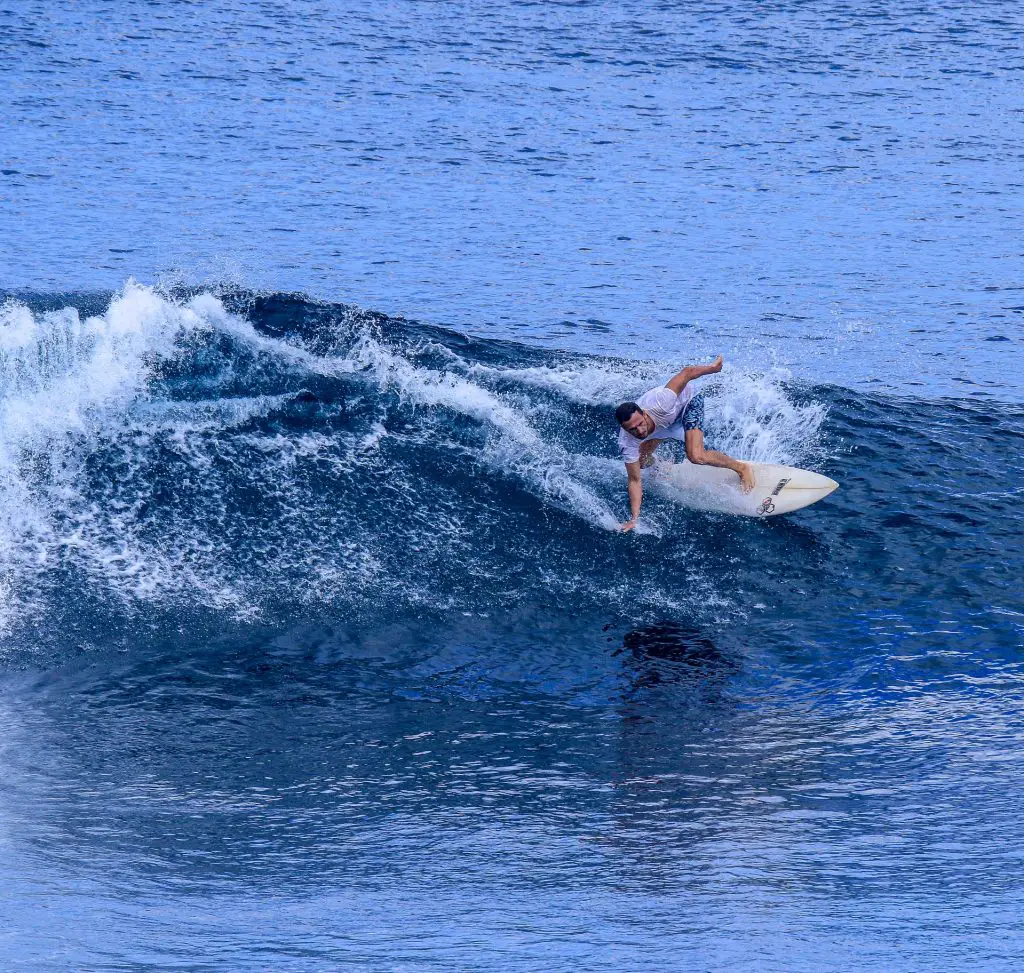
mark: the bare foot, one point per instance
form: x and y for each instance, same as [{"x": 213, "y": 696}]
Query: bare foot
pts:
[
  {"x": 746, "y": 472},
  {"x": 716, "y": 365}
]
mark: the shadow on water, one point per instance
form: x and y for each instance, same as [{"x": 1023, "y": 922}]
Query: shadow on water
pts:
[{"x": 675, "y": 654}]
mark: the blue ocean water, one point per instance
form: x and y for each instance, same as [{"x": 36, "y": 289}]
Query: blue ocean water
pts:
[{"x": 318, "y": 647}]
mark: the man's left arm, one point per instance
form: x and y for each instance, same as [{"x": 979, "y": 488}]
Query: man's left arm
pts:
[{"x": 678, "y": 381}]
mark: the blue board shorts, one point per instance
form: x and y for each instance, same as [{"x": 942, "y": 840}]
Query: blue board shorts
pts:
[{"x": 693, "y": 417}]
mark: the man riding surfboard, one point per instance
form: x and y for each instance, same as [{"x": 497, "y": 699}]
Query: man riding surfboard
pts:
[{"x": 671, "y": 411}]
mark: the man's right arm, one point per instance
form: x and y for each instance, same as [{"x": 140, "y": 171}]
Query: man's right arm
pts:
[
  {"x": 636, "y": 494},
  {"x": 679, "y": 381}
]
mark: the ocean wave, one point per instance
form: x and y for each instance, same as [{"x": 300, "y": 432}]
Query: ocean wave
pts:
[{"x": 254, "y": 453}]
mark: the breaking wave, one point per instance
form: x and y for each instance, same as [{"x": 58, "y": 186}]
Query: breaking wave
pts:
[{"x": 254, "y": 454}]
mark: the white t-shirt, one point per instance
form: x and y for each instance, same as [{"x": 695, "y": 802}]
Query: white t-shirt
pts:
[{"x": 666, "y": 409}]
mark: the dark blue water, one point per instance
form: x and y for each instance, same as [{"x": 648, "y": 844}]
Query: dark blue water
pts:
[{"x": 319, "y": 649}]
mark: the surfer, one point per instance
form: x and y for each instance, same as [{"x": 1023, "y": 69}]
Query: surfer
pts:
[{"x": 671, "y": 411}]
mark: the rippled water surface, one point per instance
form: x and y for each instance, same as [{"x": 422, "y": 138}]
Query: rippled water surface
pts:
[
  {"x": 319, "y": 649},
  {"x": 827, "y": 185}
]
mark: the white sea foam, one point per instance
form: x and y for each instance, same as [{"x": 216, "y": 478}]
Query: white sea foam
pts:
[
  {"x": 70, "y": 386},
  {"x": 586, "y": 383},
  {"x": 751, "y": 416},
  {"x": 518, "y": 448}
]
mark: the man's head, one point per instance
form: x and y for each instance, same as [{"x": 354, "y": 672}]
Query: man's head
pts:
[{"x": 634, "y": 420}]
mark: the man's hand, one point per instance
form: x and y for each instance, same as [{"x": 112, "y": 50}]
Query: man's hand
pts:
[
  {"x": 627, "y": 526},
  {"x": 678, "y": 381}
]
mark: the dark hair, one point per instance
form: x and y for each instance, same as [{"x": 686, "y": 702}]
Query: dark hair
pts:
[{"x": 624, "y": 411}]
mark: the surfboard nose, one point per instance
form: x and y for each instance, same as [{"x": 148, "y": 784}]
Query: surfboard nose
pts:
[
  {"x": 826, "y": 485},
  {"x": 807, "y": 480},
  {"x": 795, "y": 489}
]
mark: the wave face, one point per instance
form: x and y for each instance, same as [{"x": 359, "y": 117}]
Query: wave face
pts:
[{"x": 263, "y": 456}]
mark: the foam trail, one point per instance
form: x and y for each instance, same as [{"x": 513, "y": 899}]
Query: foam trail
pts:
[
  {"x": 588, "y": 384},
  {"x": 542, "y": 462}
]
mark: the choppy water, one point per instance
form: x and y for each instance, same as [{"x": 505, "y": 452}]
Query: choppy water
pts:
[{"x": 318, "y": 647}]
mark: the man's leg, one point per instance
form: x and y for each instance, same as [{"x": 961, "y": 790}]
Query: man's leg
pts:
[{"x": 696, "y": 453}]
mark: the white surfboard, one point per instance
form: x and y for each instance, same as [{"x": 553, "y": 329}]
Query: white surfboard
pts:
[{"x": 779, "y": 489}]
